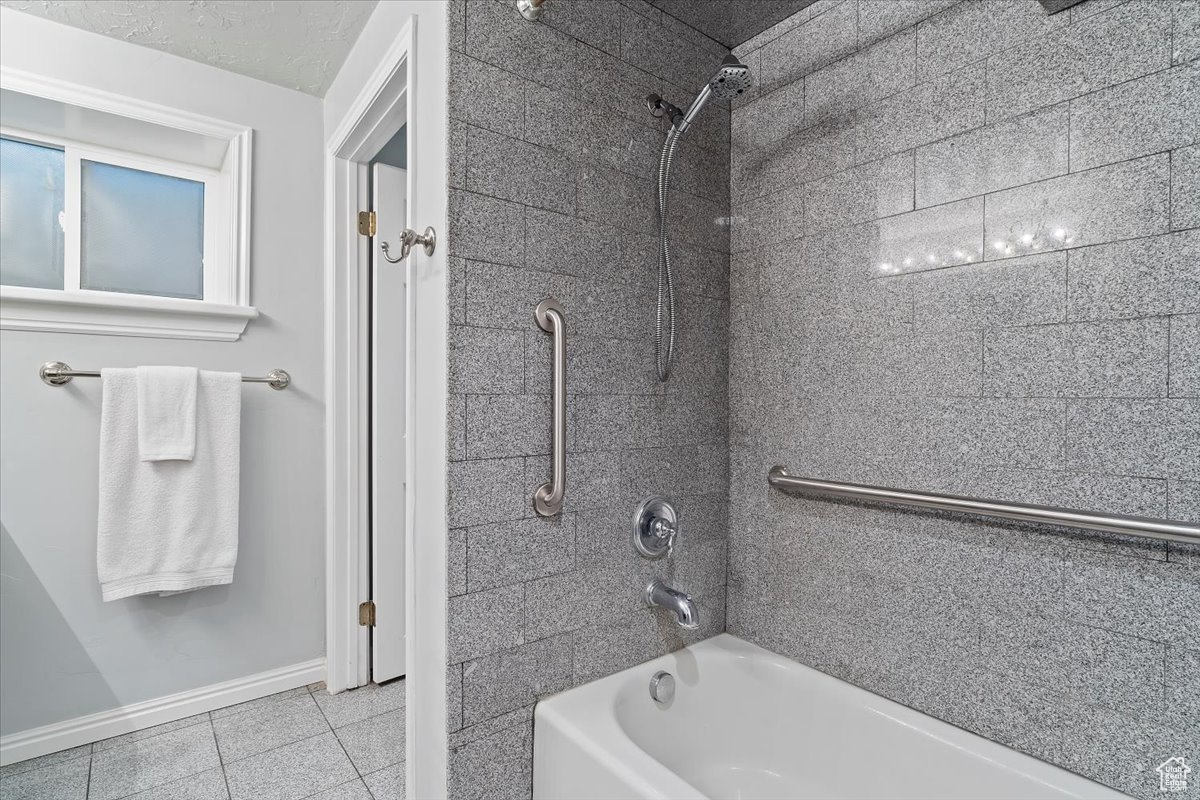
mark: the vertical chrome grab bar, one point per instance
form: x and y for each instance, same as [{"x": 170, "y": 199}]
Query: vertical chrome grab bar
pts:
[{"x": 548, "y": 499}]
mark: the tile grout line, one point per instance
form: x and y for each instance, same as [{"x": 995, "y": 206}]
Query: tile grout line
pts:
[
  {"x": 1171, "y": 192},
  {"x": 289, "y": 744},
  {"x": 173, "y": 780},
  {"x": 1167, "y": 357},
  {"x": 988, "y": 123},
  {"x": 1171, "y": 34},
  {"x": 146, "y": 738},
  {"x": 338, "y": 739},
  {"x": 221, "y": 758}
]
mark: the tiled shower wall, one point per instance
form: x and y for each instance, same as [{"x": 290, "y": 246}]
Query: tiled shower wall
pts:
[
  {"x": 965, "y": 259},
  {"x": 553, "y": 154}
]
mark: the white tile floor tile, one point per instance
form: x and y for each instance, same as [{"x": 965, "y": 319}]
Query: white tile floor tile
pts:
[
  {"x": 67, "y": 780},
  {"x": 261, "y": 704},
  {"x": 253, "y": 732},
  {"x": 281, "y": 747},
  {"x": 82, "y": 751},
  {"x": 359, "y": 704},
  {"x": 387, "y": 784},
  {"x": 293, "y": 771},
  {"x": 146, "y": 764},
  {"x": 374, "y": 743},
  {"x": 208, "y": 785},
  {"x": 354, "y": 790},
  {"x": 149, "y": 733}
]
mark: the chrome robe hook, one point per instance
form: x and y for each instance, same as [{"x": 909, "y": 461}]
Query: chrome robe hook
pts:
[{"x": 407, "y": 239}]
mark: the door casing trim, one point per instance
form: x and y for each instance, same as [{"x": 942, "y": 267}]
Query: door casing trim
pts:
[{"x": 408, "y": 84}]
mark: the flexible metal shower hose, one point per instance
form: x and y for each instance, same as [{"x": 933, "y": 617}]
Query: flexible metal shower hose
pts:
[{"x": 664, "y": 351}]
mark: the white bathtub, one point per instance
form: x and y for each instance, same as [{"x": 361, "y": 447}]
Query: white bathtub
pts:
[{"x": 748, "y": 724}]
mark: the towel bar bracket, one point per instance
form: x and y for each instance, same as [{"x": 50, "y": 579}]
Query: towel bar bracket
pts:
[
  {"x": 277, "y": 379},
  {"x": 53, "y": 373}
]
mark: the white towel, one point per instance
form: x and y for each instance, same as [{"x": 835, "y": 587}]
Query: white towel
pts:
[
  {"x": 166, "y": 405},
  {"x": 168, "y": 526}
]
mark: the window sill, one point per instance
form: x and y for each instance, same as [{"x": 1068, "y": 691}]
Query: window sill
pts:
[{"x": 26, "y": 309}]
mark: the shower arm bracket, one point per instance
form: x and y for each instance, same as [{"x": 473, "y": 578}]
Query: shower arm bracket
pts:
[{"x": 662, "y": 108}]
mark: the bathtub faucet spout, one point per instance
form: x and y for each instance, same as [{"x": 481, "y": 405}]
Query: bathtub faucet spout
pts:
[{"x": 663, "y": 596}]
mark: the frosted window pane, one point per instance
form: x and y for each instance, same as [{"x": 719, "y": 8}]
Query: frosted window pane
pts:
[
  {"x": 142, "y": 232},
  {"x": 31, "y": 199}
]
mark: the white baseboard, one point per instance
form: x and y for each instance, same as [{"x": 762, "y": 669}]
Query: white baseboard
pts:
[{"x": 126, "y": 719}]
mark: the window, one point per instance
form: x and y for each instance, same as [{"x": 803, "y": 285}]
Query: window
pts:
[
  {"x": 140, "y": 232},
  {"x": 79, "y": 218},
  {"x": 131, "y": 223},
  {"x": 31, "y": 204}
]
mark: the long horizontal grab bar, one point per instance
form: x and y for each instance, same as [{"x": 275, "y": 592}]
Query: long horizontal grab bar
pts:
[
  {"x": 1169, "y": 530},
  {"x": 56, "y": 373}
]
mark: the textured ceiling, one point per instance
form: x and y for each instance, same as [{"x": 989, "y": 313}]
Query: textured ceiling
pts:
[
  {"x": 731, "y": 22},
  {"x": 299, "y": 44}
]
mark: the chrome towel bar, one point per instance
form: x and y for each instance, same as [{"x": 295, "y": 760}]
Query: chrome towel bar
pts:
[
  {"x": 548, "y": 499},
  {"x": 56, "y": 373},
  {"x": 1169, "y": 530}
]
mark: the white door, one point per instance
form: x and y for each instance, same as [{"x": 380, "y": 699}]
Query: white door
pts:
[{"x": 388, "y": 366}]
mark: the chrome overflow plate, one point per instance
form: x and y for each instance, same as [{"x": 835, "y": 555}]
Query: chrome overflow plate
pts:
[
  {"x": 662, "y": 687},
  {"x": 655, "y": 526}
]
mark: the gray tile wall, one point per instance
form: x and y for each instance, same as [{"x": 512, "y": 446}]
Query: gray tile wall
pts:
[
  {"x": 965, "y": 255},
  {"x": 553, "y": 155}
]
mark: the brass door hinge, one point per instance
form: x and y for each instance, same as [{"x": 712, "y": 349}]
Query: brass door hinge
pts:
[
  {"x": 366, "y": 223},
  {"x": 366, "y": 614}
]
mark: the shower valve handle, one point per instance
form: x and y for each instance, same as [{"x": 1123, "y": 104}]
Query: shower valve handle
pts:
[
  {"x": 664, "y": 533},
  {"x": 655, "y": 528}
]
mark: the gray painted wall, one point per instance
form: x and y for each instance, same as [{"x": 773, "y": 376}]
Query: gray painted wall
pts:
[
  {"x": 892, "y": 324},
  {"x": 552, "y": 154},
  {"x": 66, "y": 653}
]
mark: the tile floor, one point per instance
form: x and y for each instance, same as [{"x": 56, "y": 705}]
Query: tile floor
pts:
[{"x": 303, "y": 743}]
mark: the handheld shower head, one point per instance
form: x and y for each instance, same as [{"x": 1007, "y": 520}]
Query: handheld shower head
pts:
[{"x": 731, "y": 79}]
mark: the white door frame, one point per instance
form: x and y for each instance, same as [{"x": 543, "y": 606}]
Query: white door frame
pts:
[
  {"x": 390, "y": 346},
  {"x": 409, "y": 84}
]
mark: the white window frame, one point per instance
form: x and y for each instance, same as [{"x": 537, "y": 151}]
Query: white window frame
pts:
[{"x": 225, "y": 310}]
